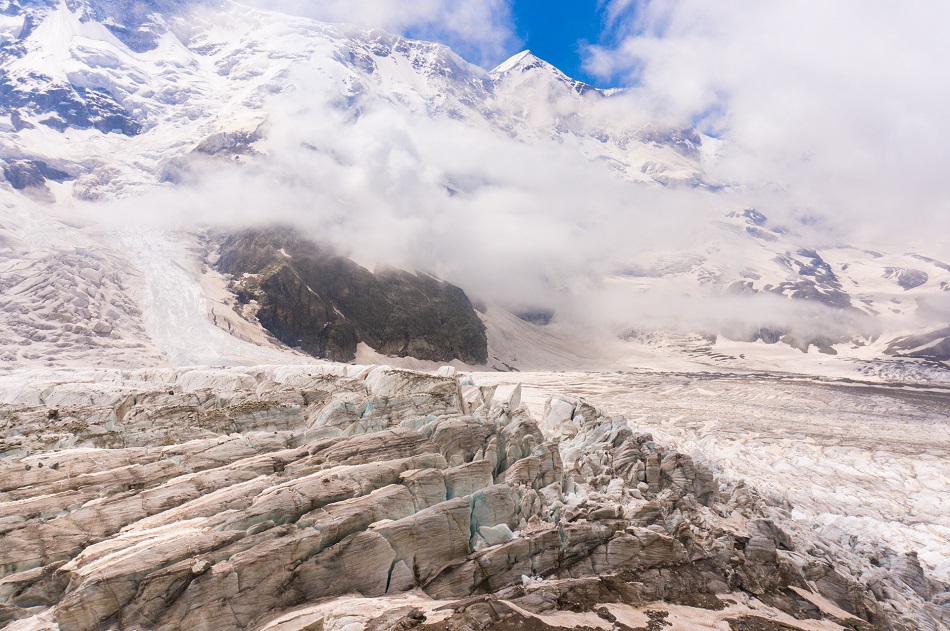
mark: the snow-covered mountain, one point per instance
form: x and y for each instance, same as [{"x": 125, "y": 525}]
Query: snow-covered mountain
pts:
[
  {"x": 107, "y": 100},
  {"x": 192, "y": 193},
  {"x": 80, "y": 82}
]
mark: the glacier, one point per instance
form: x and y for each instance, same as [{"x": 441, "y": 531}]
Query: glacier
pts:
[{"x": 729, "y": 415}]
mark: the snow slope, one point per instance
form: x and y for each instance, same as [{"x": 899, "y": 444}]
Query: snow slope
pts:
[
  {"x": 99, "y": 101},
  {"x": 211, "y": 70}
]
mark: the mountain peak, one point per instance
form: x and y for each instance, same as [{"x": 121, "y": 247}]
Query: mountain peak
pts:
[
  {"x": 520, "y": 60},
  {"x": 528, "y": 67}
]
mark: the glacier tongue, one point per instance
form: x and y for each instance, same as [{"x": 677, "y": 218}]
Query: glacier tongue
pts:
[
  {"x": 176, "y": 309},
  {"x": 262, "y": 489},
  {"x": 857, "y": 462},
  {"x": 301, "y": 497}
]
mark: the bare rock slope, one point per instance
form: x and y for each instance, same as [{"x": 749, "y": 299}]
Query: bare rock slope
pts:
[
  {"x": 342, "y": 497},
  {"x": 326, "y": 304}
]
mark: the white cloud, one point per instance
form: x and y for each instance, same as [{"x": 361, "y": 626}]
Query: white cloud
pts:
[
  {"x": 841, "y": 106},
  {"x": 482, "y": 31},
  {"x": 521, "y": 225},
  {"x": 537, "y": 224}
]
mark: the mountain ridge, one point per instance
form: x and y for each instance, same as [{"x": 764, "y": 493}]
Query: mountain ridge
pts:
[{"x": 116, "y": 122}]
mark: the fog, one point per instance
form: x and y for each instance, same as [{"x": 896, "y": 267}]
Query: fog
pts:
[
  {"x": 537, "y": 224},
  {"x": 509, "y": 221},
  {"x": 520, "y": 225},
  {"x": 840, "y": 106}
]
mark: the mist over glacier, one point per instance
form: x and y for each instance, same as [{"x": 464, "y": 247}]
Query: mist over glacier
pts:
[
  {"x": 215, "y": 416},
  {"x": 833, "y": 109},
  {"x": 525, "y": 225},
  {"x": 531, "y": 191}
]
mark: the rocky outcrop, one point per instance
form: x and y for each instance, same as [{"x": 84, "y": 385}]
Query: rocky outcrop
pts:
[
  {"x": 316, "y": 497},
  {"x": 24, "y": 174},
  {"x": 325, "y": 304},
  {"x": 906, "y": 278},
  {"x": 835, "y": 319},
  {"x": 61, "y": 105},
  {"x": 934, "y": 345}
]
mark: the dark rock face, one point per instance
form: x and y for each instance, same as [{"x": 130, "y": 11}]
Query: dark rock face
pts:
[
  {"x": 541, "y": 317},
  {"x": 934, "y": 345},
  {"x": 63, "y": 105},
  {"x": 755, "y": 216},
  {"x": 818, "y": 282},
  {"x": 229, "y": 143},
  {"x": 326, "y": 304},
  {"x": 23, "y": 174},
  {"x": 906, "y": 278}
]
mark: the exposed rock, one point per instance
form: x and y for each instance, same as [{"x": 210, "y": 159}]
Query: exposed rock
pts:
[
  {"x": 62, "y": 105},
  {"x": 934, "y": 345},
  {"x": 326, "y": 304},
  {"x": 229, "y": 143},
  {"x": 22, "y": 174},
  {"x": 818, "y": 282},
  {"x": 906, "y": 278}
]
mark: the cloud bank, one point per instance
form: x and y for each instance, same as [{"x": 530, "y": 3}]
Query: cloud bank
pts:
[
  {"x": 537, "y": 224},
  {"x": 840, "y": 107},
  {"x": 517, "y": 224}
]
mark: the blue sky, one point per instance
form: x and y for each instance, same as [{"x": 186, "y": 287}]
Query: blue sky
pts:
[
  {"x": 485, "y": 32},
  {"x": 556, "y": 30}
]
